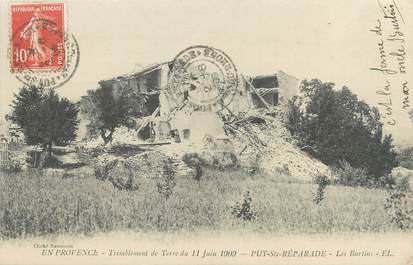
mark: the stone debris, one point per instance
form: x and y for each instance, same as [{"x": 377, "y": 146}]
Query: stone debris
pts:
[
  {"x": 121, "y": 136},
  {"x": 257, "y": 137},
  {"x": 260, "y": 135}
]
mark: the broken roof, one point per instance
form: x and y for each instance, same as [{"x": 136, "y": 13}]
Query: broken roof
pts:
[
  {"x": 265, "y": 81},
  {"x": 145, "y": 70}
]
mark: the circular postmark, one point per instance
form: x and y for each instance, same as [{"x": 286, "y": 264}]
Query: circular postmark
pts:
[
  {"x": 205, "y": 76},
  {"x": 43, "y": 56}
]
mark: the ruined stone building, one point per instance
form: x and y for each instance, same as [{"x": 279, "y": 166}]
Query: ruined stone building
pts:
[{"x": 170, "y": 120}]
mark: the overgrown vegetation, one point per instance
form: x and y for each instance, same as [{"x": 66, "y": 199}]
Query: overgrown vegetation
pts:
[
  {"x": 33, "y": 204},
  {"x": 334, "y": 125}
]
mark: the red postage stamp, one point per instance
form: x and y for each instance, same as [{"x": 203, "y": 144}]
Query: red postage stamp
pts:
[{"x": 38, "y": 40}]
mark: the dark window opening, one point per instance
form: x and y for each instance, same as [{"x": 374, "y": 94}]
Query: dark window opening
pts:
[
  {"x": 152, "y": 103},
  {"x": 186, "y": 133},
  {"x": 268, "y": 81},
  {"x": 145, "y": 132},
  {"x": 175, "y": 136}
]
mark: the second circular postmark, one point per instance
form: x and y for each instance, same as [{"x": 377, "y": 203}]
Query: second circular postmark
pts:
[{"x": 205, "y": 76}]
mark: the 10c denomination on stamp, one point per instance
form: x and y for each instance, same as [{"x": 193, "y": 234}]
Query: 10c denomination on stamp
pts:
[
  {"x": 38, "y": 36},
  {"x": 42, "y": 53}
]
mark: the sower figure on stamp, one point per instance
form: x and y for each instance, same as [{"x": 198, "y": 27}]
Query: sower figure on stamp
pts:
[{"x": 39, "y": 52}]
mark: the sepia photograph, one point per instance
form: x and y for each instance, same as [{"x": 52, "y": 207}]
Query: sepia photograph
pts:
[{"x": 206, "y": 132}]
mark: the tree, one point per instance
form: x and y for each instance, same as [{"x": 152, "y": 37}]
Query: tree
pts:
[
  {"x": 108, "y": 109},
  {"x": 44, "y": 118},
  {"x": 334, "y": 125}
]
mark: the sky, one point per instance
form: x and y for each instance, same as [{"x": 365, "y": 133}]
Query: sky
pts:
[{"x": 329, "y": 40}]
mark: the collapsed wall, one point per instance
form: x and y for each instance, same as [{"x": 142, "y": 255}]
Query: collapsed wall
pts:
[{"x": 262, "y": 138}]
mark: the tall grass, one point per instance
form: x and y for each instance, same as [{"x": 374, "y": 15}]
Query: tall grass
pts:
[{"x": 32, "y": 204}]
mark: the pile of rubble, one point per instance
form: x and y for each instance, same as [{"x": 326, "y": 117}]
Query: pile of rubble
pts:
[
  {"x": 259, "y": 139},
  {"x": 121, "y": 136},
  {"x": 259, "y": 136}
]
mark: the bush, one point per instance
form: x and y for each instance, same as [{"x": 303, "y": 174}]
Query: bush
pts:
[
  {"x": 399, "y": 206},
  {"x": 347, "y": 175},
  {"x": 220, "y": 160},
  {"x": 322, "y": 181},
  {"x": 402, "y": 178},
  {"x": 17, "y": 162},
  {"x": 103, "y": 164},
  {"x": 130, "y": 173},
  {"x": 193, "y": 161},
  {"x": 121, "y": 175},
  {"x": 243, "y": 211}
]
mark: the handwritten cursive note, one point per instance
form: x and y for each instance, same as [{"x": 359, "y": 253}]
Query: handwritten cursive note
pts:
[{"x": 391, "y": 58}]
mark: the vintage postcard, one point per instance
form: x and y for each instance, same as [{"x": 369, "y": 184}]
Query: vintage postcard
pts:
[{"x": 206, "y": 132}]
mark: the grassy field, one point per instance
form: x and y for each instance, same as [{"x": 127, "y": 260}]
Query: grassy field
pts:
[{"x": 32, "y": 204}]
